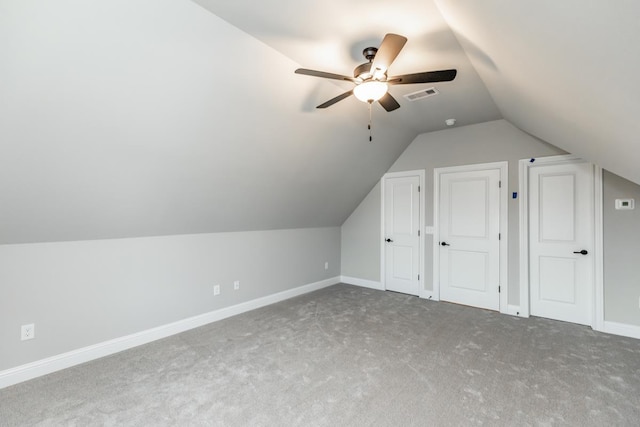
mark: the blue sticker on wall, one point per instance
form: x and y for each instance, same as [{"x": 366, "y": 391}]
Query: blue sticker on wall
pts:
[{"x": 514, "y": 195}]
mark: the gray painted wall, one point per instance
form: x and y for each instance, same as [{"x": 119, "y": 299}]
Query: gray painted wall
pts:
[
  {"x": 621, "y": 252},
  {"x": 482, "y": 143},
  {"x": 86, "y": 292},
  {"x": 360, "y": 251}
]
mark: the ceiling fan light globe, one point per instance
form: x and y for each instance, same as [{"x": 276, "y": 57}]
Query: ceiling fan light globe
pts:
[{"x": 370, "y": 91}]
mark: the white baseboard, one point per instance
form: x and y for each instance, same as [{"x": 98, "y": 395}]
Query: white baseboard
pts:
[
  {"x": 371, "y": 284},
  {"x": 75, "y": 357},
  {"x": 622, "y": 329}
]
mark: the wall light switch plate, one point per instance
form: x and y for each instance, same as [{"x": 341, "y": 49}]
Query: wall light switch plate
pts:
[
  {"x": 625, "y": 204},
  {"x": 236, "y": 285},
  {"x": 216, "y": 290}
]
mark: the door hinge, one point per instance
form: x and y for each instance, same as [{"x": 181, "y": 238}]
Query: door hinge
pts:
[
  {"x": 499, "y": 236},
  {"x": 418, "y": 188},
  {"x": 499, "y": 184},
  {"x": 418, "y": 233},
  {"x": 498, "y": 289},
  {"x": 418, "y": 277}
]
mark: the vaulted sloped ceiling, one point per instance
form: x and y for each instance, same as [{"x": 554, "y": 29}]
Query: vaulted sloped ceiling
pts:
[
  {"x": 565, "y": 71},
  {"x": 155, "y": 117}
]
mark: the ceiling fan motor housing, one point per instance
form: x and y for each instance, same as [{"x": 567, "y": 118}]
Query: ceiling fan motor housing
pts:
[{"x": 363, "y": 71}]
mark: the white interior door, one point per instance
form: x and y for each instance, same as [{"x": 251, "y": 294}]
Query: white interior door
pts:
[
  {"x": 561, "y": 240},
  {"x": 469, "y": 240},
  {"x": 401, "y": 234}
]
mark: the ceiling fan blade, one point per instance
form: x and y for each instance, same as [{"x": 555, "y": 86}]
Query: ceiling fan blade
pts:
[
  {"x": 323, "y": 74},
  {"x": 388, "y": 102},
  {"x": 338, "y": 98},
  {"x": 424, "y": 77},
  {"x": 391, "y": 46}
]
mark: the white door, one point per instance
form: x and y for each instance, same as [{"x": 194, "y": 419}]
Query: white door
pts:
[
  {"x": 401, "y": 234},
  {"x": 469, "y": 238},
  {"x": 561, "y": 240}
]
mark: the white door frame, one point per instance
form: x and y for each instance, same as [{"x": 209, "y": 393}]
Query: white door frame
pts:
[
  {"x": 597, "y": 307},
  {"x": 420, "y": 174},
  {"x": 504, "y": 225}
]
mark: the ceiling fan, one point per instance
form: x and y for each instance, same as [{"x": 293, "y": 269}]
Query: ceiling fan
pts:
[{"x": 371, "y": 80}]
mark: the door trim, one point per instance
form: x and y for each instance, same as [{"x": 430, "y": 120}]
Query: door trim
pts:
[
  {"x": 420, "y": 174},
  {"x": 504, "y": 225},
  {"x": 597, "y": 305}
]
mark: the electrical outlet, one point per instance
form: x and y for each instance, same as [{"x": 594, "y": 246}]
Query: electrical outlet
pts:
[
  {"x": 28, "y": 332},
  {"x": 326, "y": 265},
  {"x": 216, "y": 290},
  {"x": 236, "y": 285}
]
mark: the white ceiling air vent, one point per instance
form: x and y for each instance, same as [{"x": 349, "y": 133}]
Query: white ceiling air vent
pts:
[{"x": 424, "y": 93}]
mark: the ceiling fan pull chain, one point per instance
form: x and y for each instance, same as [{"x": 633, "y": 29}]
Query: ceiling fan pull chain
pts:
[{"x": 370, "y": 135}]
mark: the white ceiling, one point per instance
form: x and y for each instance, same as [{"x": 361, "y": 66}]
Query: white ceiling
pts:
[
  {"x": 154, "y": 117},
  {"x": 565, "y": 71}
]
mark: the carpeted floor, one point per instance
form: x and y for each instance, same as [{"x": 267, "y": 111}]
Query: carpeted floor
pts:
[{"x": 348, "y": 356}]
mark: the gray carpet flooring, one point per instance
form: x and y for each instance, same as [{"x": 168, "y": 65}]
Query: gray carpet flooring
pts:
[{"x": 348, "y": 356}]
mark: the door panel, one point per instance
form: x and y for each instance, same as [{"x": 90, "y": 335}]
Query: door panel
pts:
[
  {"x": 561, "y": 223},
  {"x": 401, "y": 225},
  {"x": 556, "y": 277},
  {"x": 474, "y": 276},
  {"x": 469, "y": 226},
  {"x": 402, "y": 257},
  {"x": 558, "y": 211},
  {"x": 402, "y": 204},
  {"x": 463, "y": 194}
]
